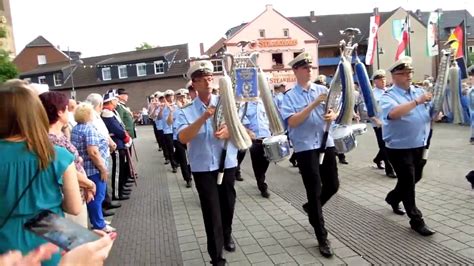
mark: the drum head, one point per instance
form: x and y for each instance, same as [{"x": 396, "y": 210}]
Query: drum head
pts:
[{"x": 341, "y": 131}]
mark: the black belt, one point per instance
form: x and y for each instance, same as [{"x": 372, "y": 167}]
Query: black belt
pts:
[{"x": 259, "y": 141}]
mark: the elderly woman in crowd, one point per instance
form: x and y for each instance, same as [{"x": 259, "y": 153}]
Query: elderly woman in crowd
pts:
[
  {"x": 94, "y": 150},
  {"x": 34, "y": 174},
  {"x": 55, "y": 104}
]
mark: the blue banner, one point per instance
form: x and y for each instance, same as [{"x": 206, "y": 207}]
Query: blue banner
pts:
[{"x": 246, "y": 83}]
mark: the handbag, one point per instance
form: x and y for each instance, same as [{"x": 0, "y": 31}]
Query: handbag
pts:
[{"x": 19, "y": 198}]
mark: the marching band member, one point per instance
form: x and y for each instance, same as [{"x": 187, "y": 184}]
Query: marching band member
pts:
[
  {"x": 303, "y": 111},
  {"x": 376, "y": 121},
  {"x": 167, "y": 115},
  {"x": 205, "y": 147},
  {"x": 405, "y": 129},
  {"x": 180, "y": 148},
  {"x": 160, "y": 124},
  {"x": 257, "y": 124}
]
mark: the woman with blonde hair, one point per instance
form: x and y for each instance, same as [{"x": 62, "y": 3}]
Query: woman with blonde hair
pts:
[
  {"x": 34, "y": 174},
  {"x": 55, "y": 104},
  {"x": 93, "y": 148}
]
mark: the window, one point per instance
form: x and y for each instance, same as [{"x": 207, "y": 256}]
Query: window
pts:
[
  {"x": 141, "y": 69},
  {"x": 470, "y": 49},
  {"x": 106, "y": 75},
  {"x": 277, "y": 61},
  {"x": 262, "y": 33},
  {"x": 218, "y": 67},
  {"x": 122, "y": 71},
  {"x": 159, "y": 67},
  {"x": 58, "y": 79},
  {"x": 286, "y": 32},
  {"x": 296, "y": 54},
  {"x": 41, "y": 59},
  {"x": 42, "y": 80}
]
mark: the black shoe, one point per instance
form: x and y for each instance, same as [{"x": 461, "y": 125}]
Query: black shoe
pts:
[
  {"x": 293, "y": 162},
  {"x": 112, "y": 205},
  {"x": 391, "y": 175},
  {"x": 167, "y": 161},
  {"x": 218, "y": 262},
  {"x": 343, "y": 161},
  {"x": 229, "y": 245},
  {"x": 174, "y": 170},
  {"x": 379, "y": 164},
  {"x": 306, "y": 207},
  {"x": 188, "y": 184},
  {"x": 121, "y": 197},
  {"x": 325, "y": 249},
  {"x": 239, "y": 178},
  {"x": 396, "y": 208},
  {"x": 423, "y": 230},
  {"x": 107, "y": 213},
  {"x": 265, "y": 194},
  {"x": 127, "y": 185},
  {"x": 126, "y": 189}
]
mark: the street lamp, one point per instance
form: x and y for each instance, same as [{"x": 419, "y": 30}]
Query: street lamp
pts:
[{"x": 75, "y": 64}]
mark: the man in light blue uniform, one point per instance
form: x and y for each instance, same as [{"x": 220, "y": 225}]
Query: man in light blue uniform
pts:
[
  {"x": 159, "y": 124},
  {"x": 167, "y": 116},
  {"x": 376, "y": 121},
  {"x": 406, "y": 126},
  {"x": 256, "y": 121},
  {"x": 205, "y": 148},
  {"x": 180, "y": 148},
  {"x": 306, "y": 116}
]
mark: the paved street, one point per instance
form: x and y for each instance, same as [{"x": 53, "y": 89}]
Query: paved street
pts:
[{"x": 162, "y": 223}]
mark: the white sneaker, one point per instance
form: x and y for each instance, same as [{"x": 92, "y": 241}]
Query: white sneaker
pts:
[{"x": 108, "y": 229}]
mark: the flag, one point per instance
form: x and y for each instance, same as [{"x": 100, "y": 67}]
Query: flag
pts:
[
  {"x": 457, "y": 35},
  {"x": 402, "y": 48},
  {"x": 432, "y": 34},
  {"x": 372, "y": 44}
]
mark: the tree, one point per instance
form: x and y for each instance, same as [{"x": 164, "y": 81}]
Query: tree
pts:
[
  {"x": 144, "y": 46},
  {"x": 7, "y": 69}
]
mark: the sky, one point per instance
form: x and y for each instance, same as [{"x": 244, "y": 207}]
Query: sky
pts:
[{"x": 99, "y": 27}]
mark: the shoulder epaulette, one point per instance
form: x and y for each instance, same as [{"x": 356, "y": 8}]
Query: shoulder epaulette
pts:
[
  {"x": 186, "y": 105},
  {"x": 287, "y": 91}
]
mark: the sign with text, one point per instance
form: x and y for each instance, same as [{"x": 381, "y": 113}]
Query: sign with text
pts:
[
  {"x": 280, "y": 77},
  {"x": 246, "y": 84},
  {"x": 276, "y": 42}
]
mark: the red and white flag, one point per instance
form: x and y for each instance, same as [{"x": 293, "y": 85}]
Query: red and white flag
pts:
[
  {"x": 372, "y": 44},
  {"x": 403, "y": 44}
]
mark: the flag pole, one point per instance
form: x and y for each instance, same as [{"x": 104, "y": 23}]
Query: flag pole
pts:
[
  {"x": 376, "y": 12},
  {"x": 409, "y": 36},
  {"x": 438, "y": 40}
]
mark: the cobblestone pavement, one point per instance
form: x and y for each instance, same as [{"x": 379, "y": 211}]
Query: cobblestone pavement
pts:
[{"x": 363, "y": 230}]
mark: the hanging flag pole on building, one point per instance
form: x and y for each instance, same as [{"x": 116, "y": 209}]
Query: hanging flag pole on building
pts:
[{"x": 373, "y": 39}]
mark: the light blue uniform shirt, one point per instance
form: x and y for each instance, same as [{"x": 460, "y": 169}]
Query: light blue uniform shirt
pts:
[
  {"x": 158, "y": 122},
  {"x": 307, "y": 135},
  {"x": 278, "y": 100},
  {"x": 377, "y": 95},
  {"x": 412, "y": 129},
  {"x": 175, "y": 129},
  {"x": 167, "y": 129},
  {"x": 256, "y": 119},
  {"x": 204, "y": 151}
]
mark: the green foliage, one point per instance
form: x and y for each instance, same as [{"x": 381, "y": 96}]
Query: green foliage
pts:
[
  {"x": 7, "y": 68},
  {"x": 3, "y": 32},
  {"x": 144, "y": 46}
]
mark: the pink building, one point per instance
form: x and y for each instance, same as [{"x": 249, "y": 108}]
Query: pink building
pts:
[{"x": 277, "y": 39}]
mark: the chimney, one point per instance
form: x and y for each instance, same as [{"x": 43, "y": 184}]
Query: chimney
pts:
[
  {"x": 418, "y": 13},
  {"x": 268, "y": 7},
  {"x": 312, "y": 17},
  {"x": 376, "y": 11},
  {"x": 201, "y": 48}
]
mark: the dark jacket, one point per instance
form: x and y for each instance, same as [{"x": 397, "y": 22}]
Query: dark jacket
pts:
[{"x": 116, "y": 129}]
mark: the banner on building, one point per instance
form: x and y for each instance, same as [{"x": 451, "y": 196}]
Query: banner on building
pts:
[
  {"x": 372, "y": 44},
  {"x": 401, "y": 33},
  {"x": 432, "y": 34}
]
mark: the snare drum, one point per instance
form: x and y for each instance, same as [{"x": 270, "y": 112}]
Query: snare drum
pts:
[
  {"x": 276, "y": 148},
  {"x": 359, "y": 129},
  {"x": 344, "y": 139}
]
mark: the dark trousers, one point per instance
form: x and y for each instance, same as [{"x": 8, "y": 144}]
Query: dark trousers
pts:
[
  {"x": 180, "y": 156},
  {"x": 408, "y": 165},
  {"x": 115, "y": 176},
  {"x": 320, "y": 182},
  {"x": 382, "y": 154},
  {"x": 169, "y": 148},
  {"x": 240, "y": 158},
  {"x": 161, "y": 139},
  {"x": 155, "y": 131},
  {"x": 259, "y": 164},
  {"x": 124, "y": 173},
  {"x": 217, "y": 206}
]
